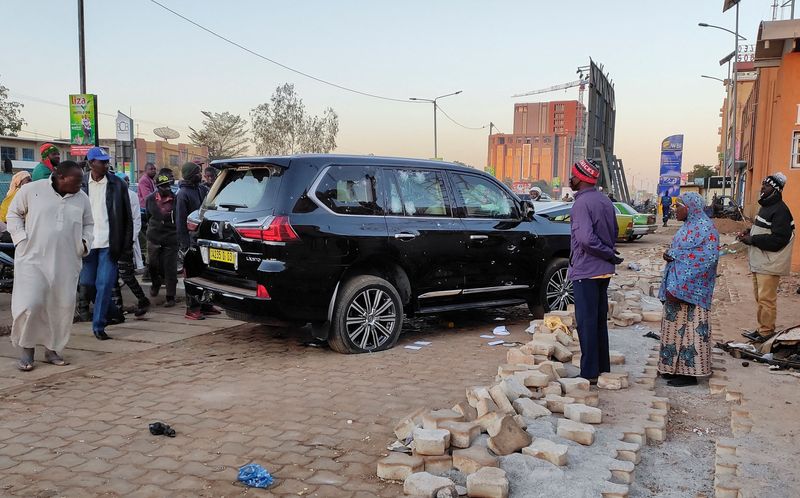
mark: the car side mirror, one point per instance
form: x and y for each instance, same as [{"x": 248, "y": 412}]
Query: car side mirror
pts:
[{"x": 528, "y": 210}]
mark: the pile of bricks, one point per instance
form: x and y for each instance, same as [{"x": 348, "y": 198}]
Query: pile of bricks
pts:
[
  {"x": 533, "y": 383},
  {"x": 633, "y": 296}
]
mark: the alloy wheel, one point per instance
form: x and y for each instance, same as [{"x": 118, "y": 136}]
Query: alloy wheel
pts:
[
  {"x": 558, "y": 292},
  {"x": 370, "y": 319}
]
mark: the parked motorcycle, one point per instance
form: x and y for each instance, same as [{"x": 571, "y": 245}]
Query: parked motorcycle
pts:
[{"x": 6, "y": 267}]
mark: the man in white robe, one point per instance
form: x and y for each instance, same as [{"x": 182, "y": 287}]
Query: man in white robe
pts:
[{"x": 51, "y": 225}]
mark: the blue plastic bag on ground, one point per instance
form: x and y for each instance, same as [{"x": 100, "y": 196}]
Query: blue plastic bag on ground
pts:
[{"x": 255, "y": 476}]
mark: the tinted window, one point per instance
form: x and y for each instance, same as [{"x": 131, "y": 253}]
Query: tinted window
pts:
[
  {"x": 350, "y": 190},
  {"x": 417, "y": 193},
  {"x": 559, "y": 215},
  {"x": 245, "y": 188},
  {"x": 482, "y": 198}
]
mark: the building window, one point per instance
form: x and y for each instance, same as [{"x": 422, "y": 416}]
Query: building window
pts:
[
  {"x": 501, "y": 140},
  {"x": 173, "y": 160},
  {"x": 151, "y": 157},
  {"x": 8, "y": 153},
  {"x": 795, "y": 160},
  {"x": 27, "y": 154}
]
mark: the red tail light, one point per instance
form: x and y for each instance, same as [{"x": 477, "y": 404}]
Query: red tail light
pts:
[
  {"x": 261, "y": 292},
  {"x": 279, "y": 230},
  {"x": 192, "y": 225}
]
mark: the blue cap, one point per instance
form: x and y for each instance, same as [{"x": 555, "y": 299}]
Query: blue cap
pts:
[{"x": 97, "y": 153}]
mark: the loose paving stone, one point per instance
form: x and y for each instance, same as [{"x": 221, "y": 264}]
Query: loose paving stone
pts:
[
  {"x": 616, "y": 358},
  {"x": 505, "y": 371},
  {"x": 398, "y": 466},
  {"x": 629, "y": 452},
  {"x": 588, "y": 398},
  {"x": 507, "y": 437},
  {"x": 514, "y": 389},
  {"x": 486, "y": 405},
  {"x": 553, "y": 388},
  {"x": 471, "y": 459},
  {"x": 466, "y": 410},
  {"x": 528, "y": 408},
  {"x": 428, "y": 485},
  {"x": 582, "y": 413},
  {"x": 488, "y": 482},
  {"x": 561, "y": 353},
  {"x": 545, "y": 449},
  {"x": 622, "y": 471},
  {"x": 612, "y": 381},
  {"x": 438, "y": 465},
  {"x": 462, "y": 434},
  {"x": 501, "y": 400},
  {"x": 405, "y": 428},
  {"x": 431, "y": 441},
  {"x": 575, "y": 384},
  {"x": 576, "y": 431},
  {"x": 431, "y": 420},
  {"x": 476, "y": 393},
  {"x": 532, "y": 378},
  {"x": 488, "y": 419},
  {"x": 556, "y": 404},
  {"x": 515, "y": 356}
]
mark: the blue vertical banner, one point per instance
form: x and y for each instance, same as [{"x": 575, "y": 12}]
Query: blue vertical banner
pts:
[{"x": 669, "y": 179}]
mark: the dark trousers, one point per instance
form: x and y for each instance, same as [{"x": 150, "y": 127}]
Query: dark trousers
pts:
[
  {"x": 591, "y": 312},
  {"x": 667, "y": 214},
  {"x": 162, "y": 263},
  {"x": 100, "y": 272},
  {"x": 127, "y": 273}
]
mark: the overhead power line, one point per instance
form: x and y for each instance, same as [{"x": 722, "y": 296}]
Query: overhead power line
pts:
[
  {"x": 459, "y": 124},
  {"x": 273, "y": 61}
]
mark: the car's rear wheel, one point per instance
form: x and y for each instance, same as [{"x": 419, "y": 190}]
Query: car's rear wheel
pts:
[
  {"x": 556, "y": 290},
  {"x": 367, "y": 317}
]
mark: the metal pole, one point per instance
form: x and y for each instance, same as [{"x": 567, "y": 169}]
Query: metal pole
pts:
[
  {"x": 435, "y": 143},
  {"x": 81, "y": 48},
  {"x": 735, "y": 104},
  {"x": 725, "y": 132}
]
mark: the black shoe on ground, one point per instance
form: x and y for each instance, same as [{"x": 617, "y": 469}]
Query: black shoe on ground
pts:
[
  {"x": 667, "y": 376},
  {"x": 142, "y": 308},
  {"x": 170, "y": 302},
  {"x": 115, "y": 320},
  {"x": 683, "y": 381},
  {"x": 101, "y": 335},
  {"x": 154, "y": 290}
]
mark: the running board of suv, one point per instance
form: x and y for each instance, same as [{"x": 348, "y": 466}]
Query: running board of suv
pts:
[{"x": 472, "y": 305}]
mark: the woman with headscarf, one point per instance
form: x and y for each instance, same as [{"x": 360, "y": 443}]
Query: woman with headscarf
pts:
[
  {"x": 686, "y": 291},
  {"x": 17, "y": 181}
]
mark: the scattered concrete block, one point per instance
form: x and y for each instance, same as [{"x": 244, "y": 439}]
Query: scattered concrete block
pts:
[
  {"x": 656, "y": 431},
  {"x": 660, "y": 403},
  {"x": 430, "y": 420},
  {"x": 612, "y": 381},
  {"x": 398, "y": 466},
  {"x": 470, "y": 460},
  {"x": 405, "y": 427},
  {"x": 475, "y": 393},
  {"x": 499, "y": 397},
  {"x": 561, "y": 352},
  {"x": 431, "y": 441},
  {"x": 621, "y": 471},
  {"x": 576, "y": 431},
  {"x": 564, "y": 338},
  {"x": 533, "y": 378},
  {"x": 438, "y": 464},
  {"x": 582, "y": 413},
  {"x": 520, "y": 420},
  {"x": 488, "y": 482},
  {"x": 635, "y": 435},
  {"x": 553, "y": 388},
  {"x": 540, "y": 358},
  {"x": 486, "y": 405},
  {"x": 428, "y": 485},
  {"x": 575, "y": 384},
  {"x": 514, "y": 389},
  {"x": 547, "y": 450},
  {"x": 629, "y": 452},
  {"x": 614, "y": 490},
  {"x": 466, "y": 410},
  {"x": 616, "y": 358},
  {"x": 556, "y": 403},
  {"x": 535, "y": 326},
  {"x": 658, "y": 415},
  {"x": 566, "y": 317},
  {"x": 462, "y": 434},
  {"x": 528, "y": 408},
  {"x": 588, "y": 398},
  {"x": 652, "y": 316},
  {"x": 515, "y": 356},
  {"x": 507, "y": 437},
  {"x": 487, "y": 419},
  {"x": 505, "y": 371},
  {"x": 558, "y": 368}
]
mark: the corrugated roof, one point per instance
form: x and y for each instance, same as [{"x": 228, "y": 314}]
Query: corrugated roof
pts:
[{"x": 779, "y": 30}]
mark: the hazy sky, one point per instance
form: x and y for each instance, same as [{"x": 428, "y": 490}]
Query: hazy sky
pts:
[{"x": 143, "y": 59}]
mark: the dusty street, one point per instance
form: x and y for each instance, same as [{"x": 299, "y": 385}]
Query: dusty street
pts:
[{"x": 319, "y": 421}]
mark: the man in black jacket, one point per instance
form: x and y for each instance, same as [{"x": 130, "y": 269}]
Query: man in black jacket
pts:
[
  {"x": 113, "y": 236},
  {"x": 189, "y": 199},
  {"x": 770, "y": 239}
]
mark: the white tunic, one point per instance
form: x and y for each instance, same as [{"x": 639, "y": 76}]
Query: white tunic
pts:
[
  {"x": 136, "y": 212},
  {"x": 49, "y": 232}
]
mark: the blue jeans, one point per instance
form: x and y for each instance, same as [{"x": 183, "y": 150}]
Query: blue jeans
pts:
[
  {"x": 100, "y": 272},
  {"x": 591, "y": 312}
]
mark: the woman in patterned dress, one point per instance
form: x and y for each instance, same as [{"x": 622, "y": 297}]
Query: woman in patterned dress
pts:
[{"x": 686, "y": 291}]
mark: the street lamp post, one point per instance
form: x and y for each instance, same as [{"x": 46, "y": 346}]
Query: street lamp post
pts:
[
  {"x": 433, "y": 101},
  {"x": 724, "y": 133},
  {"x": 81, "y": 47},
  {"x": 734, "y": 103}
]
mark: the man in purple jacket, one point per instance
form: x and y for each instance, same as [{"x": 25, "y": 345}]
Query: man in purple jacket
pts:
[{"x": 592, "y": 260}]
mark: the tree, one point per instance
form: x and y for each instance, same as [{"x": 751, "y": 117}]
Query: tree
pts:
[
  {"x": 702, "y": 171},
  {"x": 282, "y": 126},
  {"x": 10, "y": 120},
  {"x": 224, "y": 134}
]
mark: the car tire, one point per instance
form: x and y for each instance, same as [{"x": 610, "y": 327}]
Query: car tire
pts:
[
  {"x": 367, "y": 317},
  {"x": 555, "y": 291}
]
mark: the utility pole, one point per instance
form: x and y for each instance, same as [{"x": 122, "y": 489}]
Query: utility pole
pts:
[
  {"x": 735, "y": 106},
  {"x": 81, "y": 47},
  {"x": 435, "y": 140}
]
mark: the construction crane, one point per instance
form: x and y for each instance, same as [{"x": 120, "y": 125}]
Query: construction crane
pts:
[{"x": 581, "y": 84}]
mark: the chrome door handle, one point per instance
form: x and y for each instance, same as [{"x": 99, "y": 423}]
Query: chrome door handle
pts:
[
  {"x": 404, "y": 235},
  {"x": 478, "y": 237}
]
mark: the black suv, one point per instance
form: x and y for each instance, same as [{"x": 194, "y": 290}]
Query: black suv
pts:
[{"x": 351, "y": 244}]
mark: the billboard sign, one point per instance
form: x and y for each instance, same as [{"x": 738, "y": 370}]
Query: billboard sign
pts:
[
  {"x": 83, "y": 121},
  {"x": 124, "y": 128},
  {"x": 669, "y": 180}
]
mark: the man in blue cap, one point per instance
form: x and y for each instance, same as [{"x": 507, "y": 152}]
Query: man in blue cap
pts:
[{"x": 113, "y": 236}]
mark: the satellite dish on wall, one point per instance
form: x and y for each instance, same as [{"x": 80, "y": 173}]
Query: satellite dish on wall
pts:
[{"x": 166, "y": 133}]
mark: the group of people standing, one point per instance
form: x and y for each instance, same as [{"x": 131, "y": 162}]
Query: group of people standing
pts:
[
  {"x": 689, "y": 275},
  {"x": 82, "y": 231}
]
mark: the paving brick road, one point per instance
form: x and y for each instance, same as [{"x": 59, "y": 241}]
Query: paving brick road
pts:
[{"x": 316, "y": 419}]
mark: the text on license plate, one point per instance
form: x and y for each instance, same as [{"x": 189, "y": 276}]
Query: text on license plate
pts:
[{"x": 222, "y": 256}]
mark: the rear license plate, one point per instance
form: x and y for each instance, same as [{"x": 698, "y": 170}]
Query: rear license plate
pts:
[{"x": 222, "y": 256}]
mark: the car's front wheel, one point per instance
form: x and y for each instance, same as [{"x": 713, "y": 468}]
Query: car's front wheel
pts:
[
  {"x": 368, "y": 316},
  {"x": 556, "y": 290}
]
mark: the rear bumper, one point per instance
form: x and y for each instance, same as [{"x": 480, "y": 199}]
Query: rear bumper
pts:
[{"x": 644, "y": 229}]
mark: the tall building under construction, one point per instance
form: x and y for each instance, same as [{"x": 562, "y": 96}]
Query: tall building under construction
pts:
[{"x": 542, "y": 144}]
